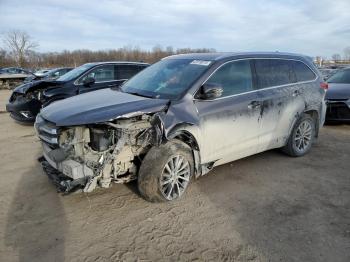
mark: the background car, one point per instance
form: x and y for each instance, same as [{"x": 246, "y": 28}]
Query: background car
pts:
[
  {"x": 338, "y": 96},
  {"x": 49, "y": 75},
  {"x": 27, "y": 99},
  {"x": 15, "y": 70}
]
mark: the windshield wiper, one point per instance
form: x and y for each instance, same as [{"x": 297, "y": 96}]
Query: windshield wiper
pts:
[{"x": 138, "y": 94}]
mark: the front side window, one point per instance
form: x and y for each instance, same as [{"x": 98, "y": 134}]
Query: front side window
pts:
[
  {"x": 234, "y": 78},
  {"x": 168, "y": 78},
  {"x": 274, "y": 72},
  {"x": 342, "y": 77},
  {"x": 101, "y": 74}
]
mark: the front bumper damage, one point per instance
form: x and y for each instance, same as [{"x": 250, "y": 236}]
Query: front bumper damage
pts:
[
  {"x": 63, "y": 183},
  {"x": 22, "y": 108},
  {"x": 85, "y": 157}
]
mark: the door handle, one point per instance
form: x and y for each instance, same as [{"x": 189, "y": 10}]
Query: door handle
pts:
[
  {"x": 296, "y": 93},
  {"x": 254, "y": 104}
]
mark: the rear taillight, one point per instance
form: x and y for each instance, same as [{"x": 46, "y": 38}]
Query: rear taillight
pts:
[{"x": 324, "y": 85}]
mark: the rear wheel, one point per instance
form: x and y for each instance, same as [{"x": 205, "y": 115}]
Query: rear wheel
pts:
[
  {"x": 302, "y": 137},
  {"x": 165, "y": 172}
]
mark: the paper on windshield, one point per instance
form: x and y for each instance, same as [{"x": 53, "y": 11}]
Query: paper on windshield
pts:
[{"x": 200, "y": 62}]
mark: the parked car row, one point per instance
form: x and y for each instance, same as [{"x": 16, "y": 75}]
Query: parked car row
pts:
[
  {"x": 328, "y": 72},
  {"x": 172, "y": 121}
]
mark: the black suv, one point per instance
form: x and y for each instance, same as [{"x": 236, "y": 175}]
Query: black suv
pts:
[
  {"x": 181, "y": 117},
  {"x": 27, "y": 99}
]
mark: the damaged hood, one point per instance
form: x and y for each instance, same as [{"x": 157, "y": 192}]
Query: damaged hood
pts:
[
  {"x": 31, "y": 86},
  {"x": 338, "y": 91},
  {"x": 100, "y": 106}
]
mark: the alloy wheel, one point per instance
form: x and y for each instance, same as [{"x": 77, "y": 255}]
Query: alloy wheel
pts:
[
  {"x": 303, "y": 136},
  {"x": 175, "y": 177}
]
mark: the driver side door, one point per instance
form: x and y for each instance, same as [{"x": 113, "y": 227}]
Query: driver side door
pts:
[{"x": 230, "y": 124}]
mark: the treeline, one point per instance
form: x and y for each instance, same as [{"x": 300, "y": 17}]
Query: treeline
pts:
[{"x": 75, "y": 58}]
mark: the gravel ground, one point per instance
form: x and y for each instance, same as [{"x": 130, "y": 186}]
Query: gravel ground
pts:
[{"x": 267, "y": 207}]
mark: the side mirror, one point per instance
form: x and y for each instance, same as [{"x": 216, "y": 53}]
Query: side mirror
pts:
[
  {"x": 211, "y": 91},
  {"x": 89, "y": 81}
]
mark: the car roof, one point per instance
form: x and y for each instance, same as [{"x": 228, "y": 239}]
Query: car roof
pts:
[
  {"x": 117, "y": 62},
  {"x": 59, "y": 68},
  {"x": 230, "y": 55}
]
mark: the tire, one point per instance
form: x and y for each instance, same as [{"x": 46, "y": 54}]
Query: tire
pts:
[
  {"x": 296, "y": 147},
  {"x": 153, "y": 172}
]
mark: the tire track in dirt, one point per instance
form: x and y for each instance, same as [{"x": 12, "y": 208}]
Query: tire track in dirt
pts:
[{"x": 171, "y": 231}]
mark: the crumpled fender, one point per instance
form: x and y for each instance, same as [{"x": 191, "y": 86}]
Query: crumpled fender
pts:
[{"x": 32, "y": 86}]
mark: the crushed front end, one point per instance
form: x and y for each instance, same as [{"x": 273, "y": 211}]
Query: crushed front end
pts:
[
  {"x": 94, "y": 155},
  {"x": 24, "y": 106}
]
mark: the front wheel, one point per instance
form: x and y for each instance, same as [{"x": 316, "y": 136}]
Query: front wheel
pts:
[
  {"x": 166, "y": 171},
  {"x": 301, "y": 137}
]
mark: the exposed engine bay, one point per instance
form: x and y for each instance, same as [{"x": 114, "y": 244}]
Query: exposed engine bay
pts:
[{"x": 96, "y": 155}]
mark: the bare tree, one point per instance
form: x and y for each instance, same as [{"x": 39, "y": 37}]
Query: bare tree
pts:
[
  {"x": 336, "y": 57},
  {"x": 78, "y": 57},
  {"x": 20, "y": 45}
]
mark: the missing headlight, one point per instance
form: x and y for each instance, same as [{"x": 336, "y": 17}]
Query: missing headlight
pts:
[{"x": 101, "y": 139}]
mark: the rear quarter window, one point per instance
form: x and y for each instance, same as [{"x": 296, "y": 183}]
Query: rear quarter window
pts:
[
  {"x": 303, "y": 72},
  {"x": 274, "y": 72}
]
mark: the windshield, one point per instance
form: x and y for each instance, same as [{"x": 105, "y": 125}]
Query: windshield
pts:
[
  {"x": 74, "y": 73},
  {"x": 167, "y": 78},
  {"x": 342, "y": 76}
]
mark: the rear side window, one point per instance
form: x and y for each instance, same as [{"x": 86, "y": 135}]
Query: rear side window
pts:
[
  {"x": 274, "y": 72},
  {"x": 234, "y": 77},
  {"x": 303, "y": 72},
  {"x": 128, "y": 71}
]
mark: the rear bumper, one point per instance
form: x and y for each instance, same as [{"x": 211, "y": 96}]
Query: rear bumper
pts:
[
  {"x": 338, "y": 111},
  {"x": 23, "y": 110}
]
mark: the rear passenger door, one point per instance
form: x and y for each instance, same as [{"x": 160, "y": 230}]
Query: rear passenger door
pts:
[
  {"x": 280, "y": 100},
  {"x": 229, "y": 124}
]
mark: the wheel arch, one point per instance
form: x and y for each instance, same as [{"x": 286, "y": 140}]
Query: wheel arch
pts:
[
  {"x": 186, "y": 137},
  {"x": 315, "y": 115},
  {"x": 180, "y": 132}
]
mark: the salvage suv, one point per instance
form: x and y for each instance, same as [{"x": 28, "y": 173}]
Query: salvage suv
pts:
[
  {"x": 179, "y": 118},
  {"x": 27, "y": 99}
]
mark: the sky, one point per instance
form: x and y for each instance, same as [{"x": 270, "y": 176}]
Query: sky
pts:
[{"x": 311, "y": 27}]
